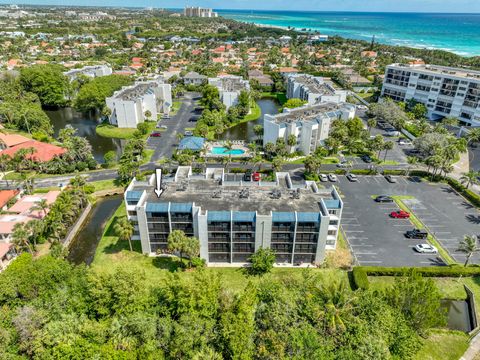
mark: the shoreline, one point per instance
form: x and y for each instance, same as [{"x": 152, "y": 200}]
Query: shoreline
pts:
[{"x": 399, "y": 43}]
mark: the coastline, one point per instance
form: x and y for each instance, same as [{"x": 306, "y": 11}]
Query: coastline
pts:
[{"x": 343, "y": 25}]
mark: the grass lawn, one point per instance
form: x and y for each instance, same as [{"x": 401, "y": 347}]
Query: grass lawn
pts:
[
  {"x": 175, "y": 107},
  {"x": 112, "y": 253},
  {"x": 112, "y": 131},
  {"x": 388, "y": 162},
  {"x": 443, "y": 344},
  {"x": 105, "y": 184}
]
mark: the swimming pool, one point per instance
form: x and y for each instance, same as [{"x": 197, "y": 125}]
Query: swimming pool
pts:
[{"x": 221, "y": 150}]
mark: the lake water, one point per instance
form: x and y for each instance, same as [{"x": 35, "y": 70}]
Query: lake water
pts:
[
  {"x": 244, "y": 131},
  {"x": 85, "y": 125},
  {"x": 83, "y": 247}
]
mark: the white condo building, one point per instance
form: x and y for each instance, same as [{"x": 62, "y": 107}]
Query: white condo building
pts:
[
  {"x": 310, "y": 124},
  {"x": 230, "y": 87},
  {"x": 313, "y": 89},
  {"x": 191, "y": 11},
  {"x": 128, "y": 105},
  {"x": 90, "y": 71},
  {"x": 445, "y": 91}
]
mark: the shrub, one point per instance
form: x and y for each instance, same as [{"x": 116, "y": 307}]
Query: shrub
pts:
[
  {"x": 363, "y": 172},
  {"x": 360, "y": 278},
  {"x": 394, "y": 172},
  {"x": 338, "y": 259},
  {"x": 262, "y": 261}
]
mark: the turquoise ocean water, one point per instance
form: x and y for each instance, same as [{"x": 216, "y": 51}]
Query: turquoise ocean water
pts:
[{"x": 458, "y": 33}]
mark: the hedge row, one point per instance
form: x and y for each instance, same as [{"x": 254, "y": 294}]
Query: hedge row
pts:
[
  {"x": 361, "y": 273},
  {"x": 467, "y": 193}
]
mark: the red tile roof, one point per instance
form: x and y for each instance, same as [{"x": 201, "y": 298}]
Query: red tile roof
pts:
[
  {"x": 12, "y": 139},
  {"x": 44, "y": 152},
  {"x": 6, "y": 195}
]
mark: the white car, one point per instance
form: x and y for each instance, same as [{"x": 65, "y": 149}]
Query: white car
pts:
[
  {"x": 404, "y": 142},
  {"x": 332, "y": 177},
  {"x": 323, "y": 177},
  {"x": 352, "y": 177},
  {"x": 362, "y": 107},
  {"x": 426, "y": 248}
]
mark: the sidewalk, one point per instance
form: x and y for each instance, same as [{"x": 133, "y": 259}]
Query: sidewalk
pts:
[
  {"x": 463, "y": 166},
  {"x": 473, "y": 349}
]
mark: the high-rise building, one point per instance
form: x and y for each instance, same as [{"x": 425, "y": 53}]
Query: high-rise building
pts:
[
  {"x": 310, "y": 124},
  {"x": 445, "y": 91},
  {"x": 313, "y": 89},
  {"x": 191, "y": 11},
  {"x": 233, "y": 218},
  {"x": 129, "y": 105}
]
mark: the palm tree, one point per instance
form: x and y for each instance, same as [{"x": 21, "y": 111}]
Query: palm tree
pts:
[
  {"x": 412, "y": 161},
  {"x": 371, "y": 123},
  {"x": 20, "y": 238},
  {"x": 473, "y": 136},
  {"x": 469, "y": 178},
  {"x": 258, "y": 131},
  {"x": 42, "y": 205},
  {"x": 4, "y": 165},
  {"x": 387, "y": 146},
  {"x": 291, "y": 141},
  {"x": 469, "y": 246},
  {"x": 228, "y": 149},
  {"x": 35, "y": 228},
  {"x": 124, "y": 230}
]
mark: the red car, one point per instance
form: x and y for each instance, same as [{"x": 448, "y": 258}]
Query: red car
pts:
[
  {"x": 155, "y": 134},
  {"x": 400, "y": 214},
  {"x": 256, "y": 176}
]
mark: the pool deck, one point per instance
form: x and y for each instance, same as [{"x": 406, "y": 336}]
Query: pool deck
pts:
[{"x": 236, "y": 145}]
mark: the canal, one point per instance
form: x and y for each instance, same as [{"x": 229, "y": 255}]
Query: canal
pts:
[
  {"x": 84, "y": 245},
  {"x": 244, "y": 131},
  {"x": 85, "y": 125}
]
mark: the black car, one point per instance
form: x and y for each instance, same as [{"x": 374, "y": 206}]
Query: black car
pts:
[
  {"x": 383, "y": 199},
  {"x": 416, "y": 234},
  {"x": 367, "y": 159},
  {"x": 248, "y": 175}
]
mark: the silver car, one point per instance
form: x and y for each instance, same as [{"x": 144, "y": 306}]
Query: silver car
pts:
[
  {"x": 323, "y": 177},
  {"x": 332, "y": 177},
  {"x": 426, "y": 249}
]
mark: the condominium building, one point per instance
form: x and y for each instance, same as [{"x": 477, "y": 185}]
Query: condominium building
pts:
[
  {"x": 233, "y": 218},
  {"x": 310, "y": 124},
  {"x": 191, "y": 11},
  {"x": 230, "y": 87},
  {"x": 129, "y": 105},
  {"x": 445, "y": 91},
  {"x": 313, "y": 89},
  {"x": 90, "y": 71}
]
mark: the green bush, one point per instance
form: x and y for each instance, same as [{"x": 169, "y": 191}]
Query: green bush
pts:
[
  {"x": 360, "y": 278},
  {"x": 394, "y": 172},
  {"x": 363, "y": 172},
  {"x": 467, "y": 193}
]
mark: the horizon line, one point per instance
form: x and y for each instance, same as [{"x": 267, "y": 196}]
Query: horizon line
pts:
[{"x": 243, "y": 9}]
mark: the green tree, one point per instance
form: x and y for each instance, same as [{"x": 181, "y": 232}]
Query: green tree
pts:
[
  {"x": 386, "y": 147},
  {"x": 48, "y": 82},
  {"x": 469, "y": 246},
  {"x": 21, "y": 238},
  {"x": 294, "y": 103},
  {"x": 184, "y": 245},
  {"x": 124, "y": 230},
  {"x": 262, "y": 261},
  {"x": 371, "y": 123},
  {"x": 470, "y": 178},
  {"x": 110, "y": 157}
]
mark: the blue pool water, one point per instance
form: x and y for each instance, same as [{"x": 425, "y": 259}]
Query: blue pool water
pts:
[{"x": 220, "y": 150}]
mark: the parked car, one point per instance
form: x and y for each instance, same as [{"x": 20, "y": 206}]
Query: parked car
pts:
[
  {"x": 404, "y": 142},
  {"x": 344, "y": 164},
  {"x": 400, "y": 214},
  {"x": 416, "y": 234},
  {"x": 163, "y": 127},
  {"x": 256, "y": 176},
  {"x": 391, "y": 179},
  {"x": 367, "y": 159},
  {"x": 332, "y": 177},
  {"x": 155, "y": 134},
  {"x": 392, "y": 133},
  {"x": 323, "y": 177},
  {"x": 251, "y": 176},
  {"x": 362, "y": 107},
  {"x": 382, "y": 124},
  {"x": 352, "y": 177},
  {"x": 188, "y": 133},
  {"x": 384, "y": 199},
  {"x": 426, "y": 248}
]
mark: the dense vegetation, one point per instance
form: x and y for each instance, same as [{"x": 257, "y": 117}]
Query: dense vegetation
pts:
[
  {"x": 53, "y": 310},
  {"x": 91, "y": 95}
]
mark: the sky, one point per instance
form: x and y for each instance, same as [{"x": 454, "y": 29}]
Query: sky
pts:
[{"x": 458, "y": 6}]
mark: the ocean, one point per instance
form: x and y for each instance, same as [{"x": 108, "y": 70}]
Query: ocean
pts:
[{"x": 458, "y": 33}]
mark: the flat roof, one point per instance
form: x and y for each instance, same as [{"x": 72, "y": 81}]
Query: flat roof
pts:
[
  {"x": 314, "y": 84},
  {"x": 210, "y": 195},
  {"x": 441, "y": 70},
  {"x": 308, "y": 113}
]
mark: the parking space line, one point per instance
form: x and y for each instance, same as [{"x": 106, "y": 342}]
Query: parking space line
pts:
[{"x": 372, "y": 261}]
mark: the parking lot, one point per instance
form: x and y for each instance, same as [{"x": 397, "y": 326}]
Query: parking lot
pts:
[{"x": 376, "y": 239}]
